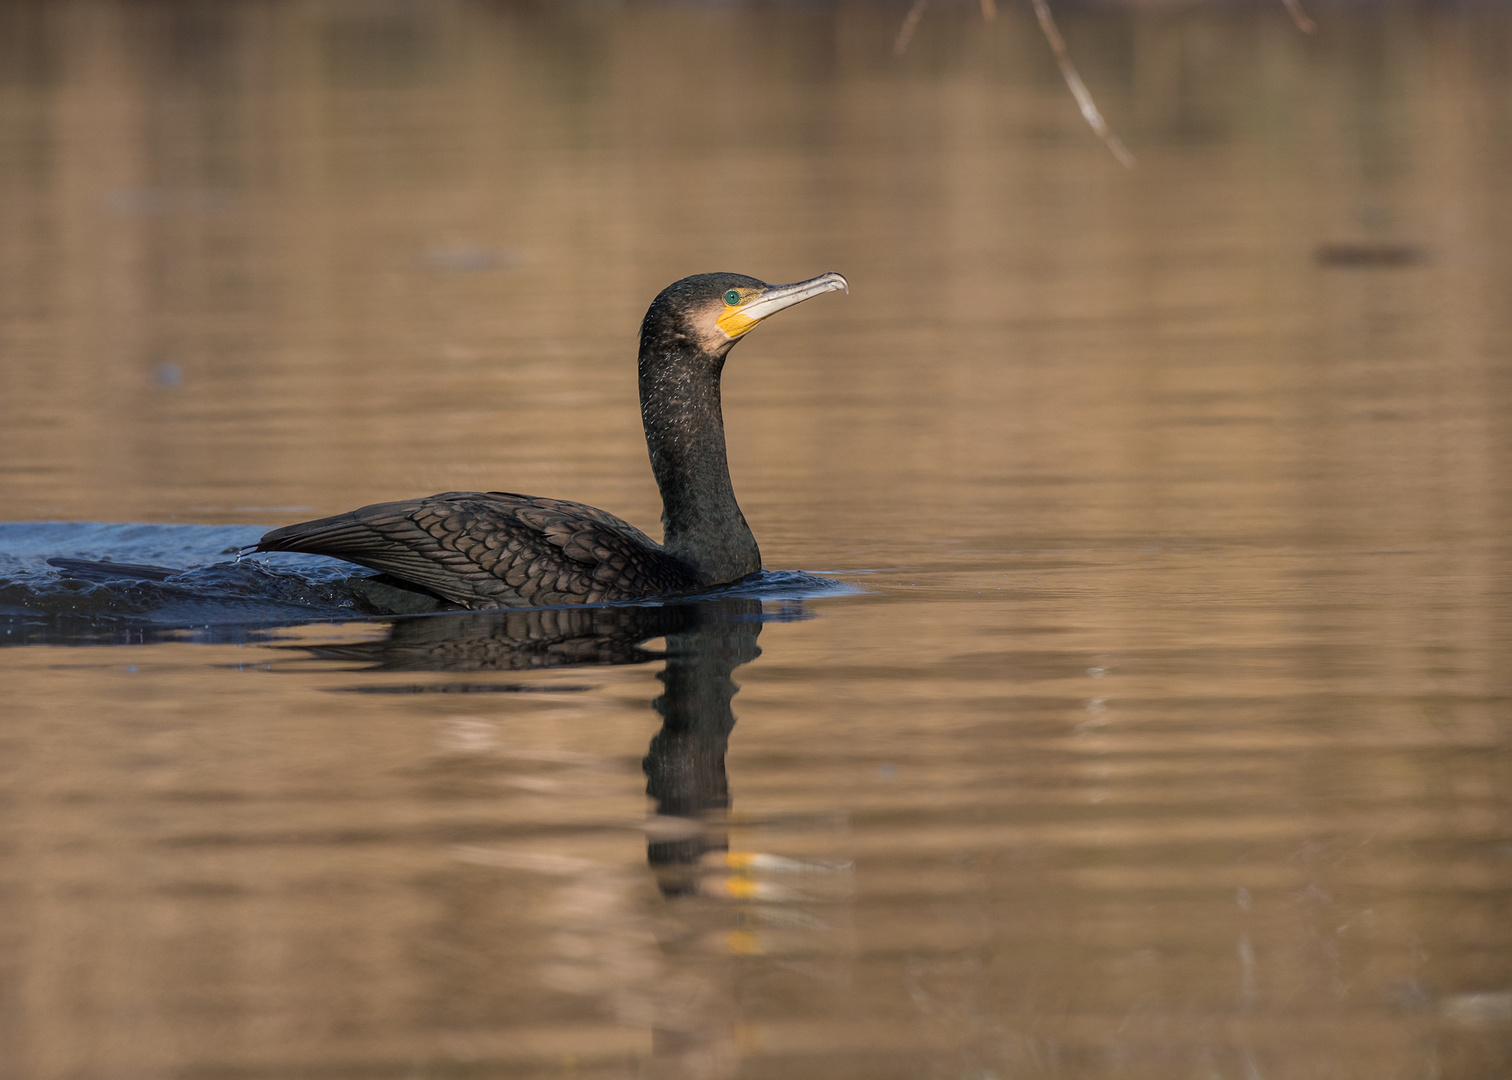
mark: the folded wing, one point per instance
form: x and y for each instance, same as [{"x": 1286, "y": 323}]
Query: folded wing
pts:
[{"x": 495, "y": 549}]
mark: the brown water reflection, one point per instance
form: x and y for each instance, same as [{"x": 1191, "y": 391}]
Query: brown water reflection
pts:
[{"x": 1168, "y": 739}]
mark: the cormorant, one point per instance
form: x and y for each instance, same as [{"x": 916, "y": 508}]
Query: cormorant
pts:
[{"x": 497, "y": 549}]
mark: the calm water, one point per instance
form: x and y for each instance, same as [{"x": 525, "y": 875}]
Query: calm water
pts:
[{"x": 1164, "y": 727}]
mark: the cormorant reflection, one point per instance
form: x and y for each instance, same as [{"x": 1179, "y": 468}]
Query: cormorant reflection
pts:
[
  {"x": 685, "y": 771},
  {"x": 685, "y": 766}
]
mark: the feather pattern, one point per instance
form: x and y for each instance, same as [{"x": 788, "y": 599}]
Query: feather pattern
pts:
[{"x": 495, "y": 549}]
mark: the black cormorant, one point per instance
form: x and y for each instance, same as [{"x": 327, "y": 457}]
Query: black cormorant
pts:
[{"x": 496, "y": 549}]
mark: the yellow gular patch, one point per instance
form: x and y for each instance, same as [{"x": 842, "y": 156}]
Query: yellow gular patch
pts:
[{"x": 733, "y": 321}]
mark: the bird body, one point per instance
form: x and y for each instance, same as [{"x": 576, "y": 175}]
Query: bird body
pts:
[
  {"x": 495, "y": 549},
  {"x": 498, "y": 549}
]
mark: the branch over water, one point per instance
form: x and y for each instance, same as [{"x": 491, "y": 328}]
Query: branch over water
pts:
[
  {"x": 1078, "y": 88},
  {"x": 1304, "y": 24},
  {"x": 910, "y": 24}
]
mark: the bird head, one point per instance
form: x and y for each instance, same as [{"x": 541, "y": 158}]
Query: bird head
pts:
[{"x": 713, "y": 311}]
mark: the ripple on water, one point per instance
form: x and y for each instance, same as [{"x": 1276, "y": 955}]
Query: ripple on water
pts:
[{"x": 186, "y": 579}]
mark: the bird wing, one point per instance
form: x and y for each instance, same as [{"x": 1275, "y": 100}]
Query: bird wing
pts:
[{"x": 495, "y": 549}]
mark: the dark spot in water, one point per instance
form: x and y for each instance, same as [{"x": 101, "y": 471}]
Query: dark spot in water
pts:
[{"x": 1365, "y": 254}]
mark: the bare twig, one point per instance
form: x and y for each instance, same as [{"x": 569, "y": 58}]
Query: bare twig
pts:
[
  {"x": 915, "y": 13},
  {"x": 910, "y": 22},
  {"x": 1078, "y": 88},
  {"x": 1304, "y": 24}
]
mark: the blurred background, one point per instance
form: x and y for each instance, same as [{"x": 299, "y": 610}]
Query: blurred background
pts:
[
  {"x": 304, "y": 254},
  {"x": 1169, "y": 735}
]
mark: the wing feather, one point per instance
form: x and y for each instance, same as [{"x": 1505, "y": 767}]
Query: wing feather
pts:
[{"x": 495, "y": 549}]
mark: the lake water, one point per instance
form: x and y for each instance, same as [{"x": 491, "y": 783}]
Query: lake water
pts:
[{"x": 1159, "y": 722}]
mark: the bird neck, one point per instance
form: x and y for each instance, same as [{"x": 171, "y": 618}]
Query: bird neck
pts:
[{"x": 702, "y": 523}]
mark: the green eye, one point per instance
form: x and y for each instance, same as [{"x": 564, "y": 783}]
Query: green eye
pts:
[{"x": 732, "y": 297}]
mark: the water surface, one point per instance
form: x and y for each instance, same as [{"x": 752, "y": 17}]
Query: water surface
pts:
[{"x": 1163, "y": 732}]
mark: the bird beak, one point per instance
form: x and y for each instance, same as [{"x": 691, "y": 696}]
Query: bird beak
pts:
[{"x": 738, "y": 320}]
